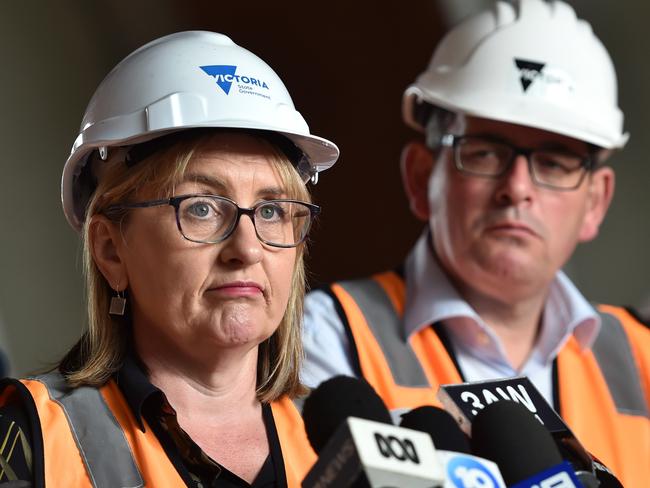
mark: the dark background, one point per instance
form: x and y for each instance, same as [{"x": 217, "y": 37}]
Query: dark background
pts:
[{"x": 345, "y": 64}]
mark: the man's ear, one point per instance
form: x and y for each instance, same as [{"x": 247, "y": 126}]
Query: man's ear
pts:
[
  {"x": 601, "y": 192},
  {"x": 416, "y": 164},
  {"x": 106, "y": 245}
]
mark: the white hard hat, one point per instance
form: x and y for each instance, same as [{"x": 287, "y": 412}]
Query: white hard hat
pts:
[
  {"x": 529, "y": 62},
  {"x": 185, "y": 80}
]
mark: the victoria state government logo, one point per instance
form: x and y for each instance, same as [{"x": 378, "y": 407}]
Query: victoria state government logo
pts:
[
  {"x": 529, "y": 71},
  {"x": 225, "y": 75}
]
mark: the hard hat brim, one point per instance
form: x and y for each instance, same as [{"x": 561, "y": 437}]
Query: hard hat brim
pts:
[{"x": 320, "y": 153}]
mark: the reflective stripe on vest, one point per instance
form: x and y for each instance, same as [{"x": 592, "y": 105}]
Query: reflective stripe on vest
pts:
[
  {"x": 611, "y": 348},
  {"x": 379, "y": 367},
  {"x": 101, "y": 442},
  {"x": 616, "y": 360},
  {"x": 604, "y": 391},
  {"x": 111, "y": 447},
  {"x": 386, "y": 326}
]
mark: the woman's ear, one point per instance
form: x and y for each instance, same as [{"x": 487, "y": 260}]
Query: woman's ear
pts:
[
  {"x": 416, "y": 164},
  {"x": 106, "y": 242},
  {"x": 599, "y": 197}
]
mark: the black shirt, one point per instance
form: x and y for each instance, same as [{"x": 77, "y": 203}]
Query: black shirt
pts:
[{"x": 148, "y": 403}]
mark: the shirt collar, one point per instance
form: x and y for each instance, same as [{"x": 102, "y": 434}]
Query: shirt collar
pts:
[
  {"x": 567, "y": 312},
  {"x": 138, "y": 391},
  {"x": 431, "y": 298}
]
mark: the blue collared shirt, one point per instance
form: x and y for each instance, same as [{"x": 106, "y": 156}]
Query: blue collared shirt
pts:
[{"x": 432, "y": 298}]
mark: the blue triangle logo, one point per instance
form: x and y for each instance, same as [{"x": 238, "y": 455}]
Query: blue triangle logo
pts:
[{"x": 223, "y": 74}]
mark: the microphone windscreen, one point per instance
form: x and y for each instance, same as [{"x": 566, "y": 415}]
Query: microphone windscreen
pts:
[
  {"x": 507, "y": 433},
  {"x": 335, "y": 400},
  {"x": 440, "y": 425}
]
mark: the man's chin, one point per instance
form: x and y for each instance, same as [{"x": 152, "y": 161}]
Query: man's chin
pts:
[{"x": 516, "y": 266}]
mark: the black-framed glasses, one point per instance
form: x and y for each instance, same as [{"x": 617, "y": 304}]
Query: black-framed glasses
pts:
[
  {"x": 211, "y": 219},
  {"x": 557, "y": 169}
]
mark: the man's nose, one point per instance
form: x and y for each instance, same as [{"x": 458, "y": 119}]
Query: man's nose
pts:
[{"x": 516, "y": 184}]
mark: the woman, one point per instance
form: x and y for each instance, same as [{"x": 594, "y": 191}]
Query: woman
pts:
[{"x": 187, "y": 185}]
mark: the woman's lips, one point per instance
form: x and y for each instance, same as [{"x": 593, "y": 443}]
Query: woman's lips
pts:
[{"x": 239, "y": 289}]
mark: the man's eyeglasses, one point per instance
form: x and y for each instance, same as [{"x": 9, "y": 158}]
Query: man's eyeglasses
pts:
[
  {"x": 552, "y": 168},
  {"x": 211, "y": 219}
]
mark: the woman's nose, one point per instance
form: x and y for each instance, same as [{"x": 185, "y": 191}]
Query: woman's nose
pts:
[{"x": 243, "y": 245}]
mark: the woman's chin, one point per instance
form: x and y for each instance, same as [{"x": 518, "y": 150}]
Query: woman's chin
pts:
[{"x": 236, "y": 334}]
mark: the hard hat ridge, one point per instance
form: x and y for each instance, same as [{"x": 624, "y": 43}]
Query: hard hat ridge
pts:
[{"x": 530, "y": 62}]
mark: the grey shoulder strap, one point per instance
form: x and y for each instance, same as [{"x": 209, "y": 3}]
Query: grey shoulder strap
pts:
[
  {"x": 99, "y": 437},
  {"x": 386, "y": 326},
  {"x": 616, "y": 360}
]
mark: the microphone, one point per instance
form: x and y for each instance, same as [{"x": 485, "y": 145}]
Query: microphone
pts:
[
  {"x": 462, "y": 470},
  {"x": 440, "y": 425},
  {"x": 508, "y": 434},
  {"x": 466, "y": 400},
  {"x": 336, "y": 399},
  {"x": 350, "y": 429}
]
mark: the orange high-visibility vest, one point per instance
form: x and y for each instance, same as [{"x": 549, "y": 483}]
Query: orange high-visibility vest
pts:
[
  {"x": 604, "y": 392},
  {"x": 91, "y": 438}
]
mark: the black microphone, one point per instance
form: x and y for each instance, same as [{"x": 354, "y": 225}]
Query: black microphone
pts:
[
  {"x": 333, "y": 401},
  {"x": 509, "y": 435},
  {"x": 466, "y": 400},
  {"x": 461, "y": 469},
  {"x": 351, "y": 430},
  {"x": 440, "y": 425}
]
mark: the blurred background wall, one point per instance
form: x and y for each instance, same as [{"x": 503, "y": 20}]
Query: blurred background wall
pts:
[{"x": 345, "y": 64}]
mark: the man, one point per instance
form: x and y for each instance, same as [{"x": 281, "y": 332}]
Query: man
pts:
[{"x": 519, "y": 112}]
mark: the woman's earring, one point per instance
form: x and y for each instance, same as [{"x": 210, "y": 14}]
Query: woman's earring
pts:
[{"x": 118, "y": 304}]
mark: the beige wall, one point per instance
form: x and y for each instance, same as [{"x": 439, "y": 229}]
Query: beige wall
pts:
[
  {"x": 616, "y": 267},
  {"x": 53, "y": 55}
]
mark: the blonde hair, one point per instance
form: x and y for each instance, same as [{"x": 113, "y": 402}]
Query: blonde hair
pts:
[{"x": 100, "y": 351}]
